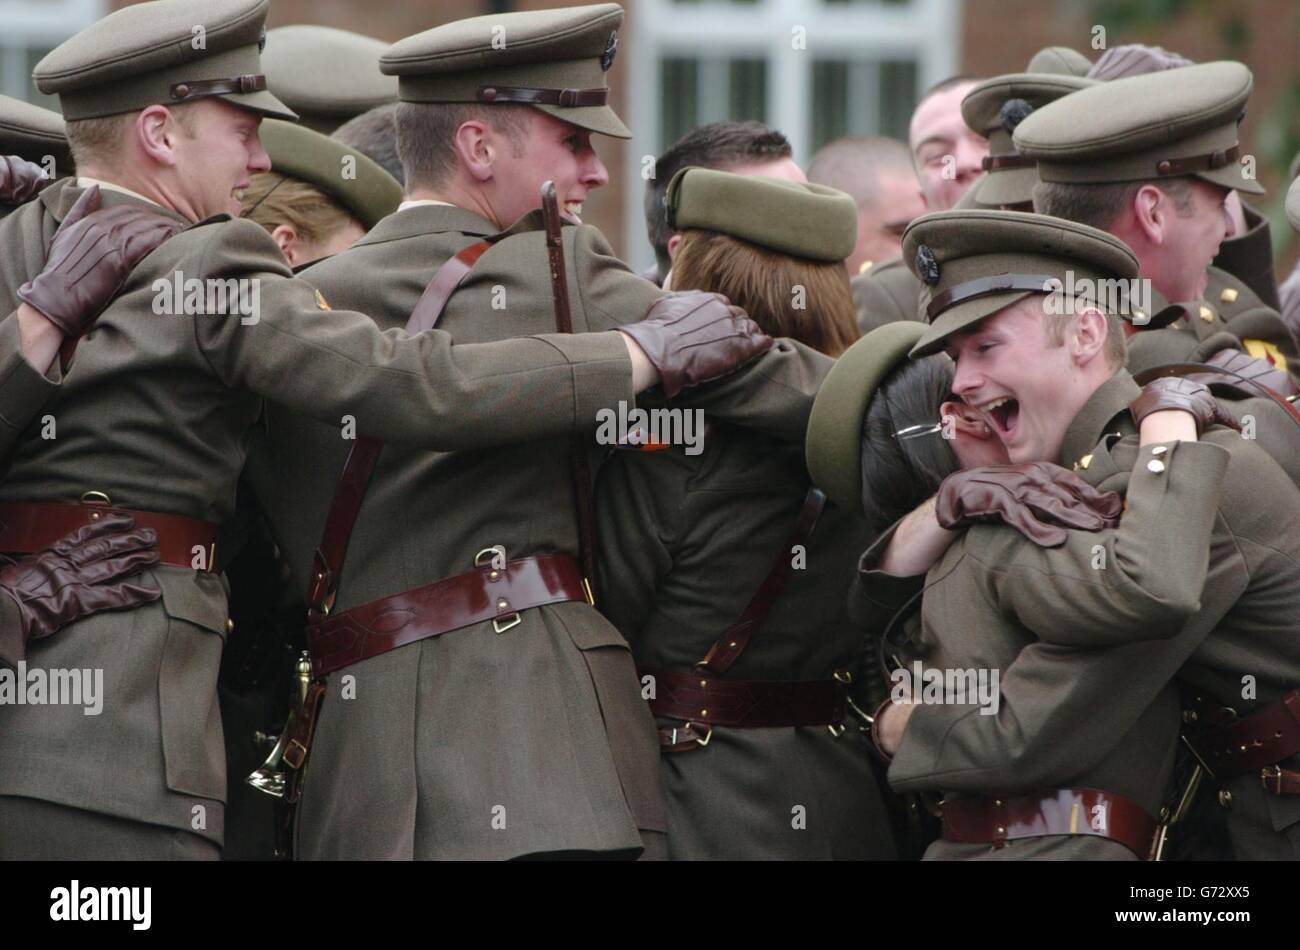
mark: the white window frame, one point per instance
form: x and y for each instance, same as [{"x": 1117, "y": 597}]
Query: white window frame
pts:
[
  {"x": 28, "y": 24},
  {"x": 927, "y": 31}
]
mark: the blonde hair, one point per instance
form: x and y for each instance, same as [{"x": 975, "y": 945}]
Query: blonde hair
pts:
[
  {"x": 273, "y": 199},
  {"x": 809, "y": 301},
  {"x": 1056, "y": 325}
]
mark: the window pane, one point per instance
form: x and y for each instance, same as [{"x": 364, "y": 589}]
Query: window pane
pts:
[
  {"x": 747, "y": 89},
  {"x": 680, "y": 98},
  {"x": 897, "y": 97},
  {"x": 829, "y": 101}
]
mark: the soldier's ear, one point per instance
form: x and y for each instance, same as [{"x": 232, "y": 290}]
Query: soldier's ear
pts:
[
  {"x": 1088, "y": 333},
  {"x": 474, "y": 149},
  {"x": 287, "y": 238},
  {"x": 155, "y": 130}
]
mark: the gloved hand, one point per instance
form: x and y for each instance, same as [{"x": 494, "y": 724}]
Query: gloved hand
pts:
[
  {"x": 92, "y": 253},
  {"x": 20, "y": 180},
  {"x": 693, "y": 337},
  {"x": 80, "y": 574},
  {"x": 1038, "y": 499},
  {"x": 1186, "y": 395}
]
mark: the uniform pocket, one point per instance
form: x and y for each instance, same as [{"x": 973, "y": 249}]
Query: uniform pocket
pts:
[{"x": 193, "y": 746}]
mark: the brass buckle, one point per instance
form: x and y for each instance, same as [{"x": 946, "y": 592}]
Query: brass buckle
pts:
[
  {"x": 586, "y": 590},
  {"x": 1273, "y": 772},
  {"x": 707, "y": 736},
  {"x": 836, "y": 729},
  {"x": 502, "y": 624}
]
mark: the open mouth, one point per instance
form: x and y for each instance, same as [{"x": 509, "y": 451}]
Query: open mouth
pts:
[
  {"x": 573, "y": 209},
  {"x": 1003, "y": 414}
]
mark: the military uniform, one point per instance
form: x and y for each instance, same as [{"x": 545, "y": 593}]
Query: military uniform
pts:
[
  {"x": 886, "y": 293},
  {"x": 1144, "y": 128},
  {"x": 474, "y": 743},
  {"x": 1216, "y": 624},
  {"x": 33, "y": 134},
  {"x": 185, "y": 390},
  {"x": 686, "y": 540},
  {"x": 326, "y": 75}
]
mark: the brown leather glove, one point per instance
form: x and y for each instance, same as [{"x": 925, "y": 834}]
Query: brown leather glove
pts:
[
  {"x": 92, "y": 253},
  {"x": 693, "y": 337},
  {"x": 20, "y": 180},
  {"x": 81, "y": 574},
  {"x": 1038, "y": 499},
  {"x": 1186, "y": 395},
  {"x": 1239, "y": 364}
]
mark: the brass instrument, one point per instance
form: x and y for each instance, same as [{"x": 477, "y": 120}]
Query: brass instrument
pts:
[{"x": 271, "y": 777}]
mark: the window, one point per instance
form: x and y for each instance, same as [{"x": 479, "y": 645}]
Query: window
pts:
[{"x": 815, "y": 69}]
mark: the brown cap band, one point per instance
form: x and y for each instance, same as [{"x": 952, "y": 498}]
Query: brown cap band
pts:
[
  {"x": 184, "y": 91},
  {"x": 984, "y": 286},
  {"x": 566, "y": 98},
  {"x": 1010, "y": 160},
  {"x": 1198, "y": 163}
]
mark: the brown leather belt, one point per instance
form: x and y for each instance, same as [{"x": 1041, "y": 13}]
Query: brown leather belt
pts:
[
  {"x": 703, "y": 700},
  {"x": 449, "y": 604},
  {"x": 1230, "y": 746},
  {"x": 1061, "y": 811},
  {"x": 30, "y": 526}
]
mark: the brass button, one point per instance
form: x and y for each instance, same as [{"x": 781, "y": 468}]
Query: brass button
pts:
[
  {"x": 704, "y": 684},
  {"x": 1225, "y": 798},
  {"x": 1155, "y": 465},
  {"x": 865, "y": 266},
  {"x": 503, "y": 604},
  {"x": 1228, "y": 295},
  {"x": 181, "y": 91},
  {"x": 230, "y": 626},
  {"x": 1189, "y": 715},
  {"x": 1139, "y": 316},
  {"x": 1160, "y": 450},
  {"x": 1165, "y": 167},
  {"x": 1205, "y": 313},
  {"x": 704, "y": 713},
  {"x": 1084, "y": 462}
]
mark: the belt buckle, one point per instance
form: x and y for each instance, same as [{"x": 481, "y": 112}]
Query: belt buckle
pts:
[
  {"x": 701, "y": 742},
  {"x": 1273, "y": 772},
  {"x": 502, "y": 624}
]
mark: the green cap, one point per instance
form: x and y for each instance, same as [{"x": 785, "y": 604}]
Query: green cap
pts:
[
  {"x": 1059, "y": 61},
  {"x": 975, "y": 263},
  {"x": 1145, "y": 128},
  {"x": 994, "y": 109},
  {"x": 32, "y": 133},
  {"x": 1293, "y": 204},
  {"x": 815, "y": 222},
  {"x": 553, "y": 60},
  {"x": 834, "y": 444},
  {"x": 361, "y": 186},
  {"x": 326, "y": 75},
  {"x": 162, "y": 53}
]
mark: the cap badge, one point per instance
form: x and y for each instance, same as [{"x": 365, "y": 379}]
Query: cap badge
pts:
[
  {"x": 927, "y": 268},
  {"x": 611, "y": 48},
  {"x": 1013, "y": 112},
  {"x": 261, "y": 41}
]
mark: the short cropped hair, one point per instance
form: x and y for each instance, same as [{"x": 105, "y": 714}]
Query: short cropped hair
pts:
[
  {"x": 1098, "y": 204},
  {"x": 426, "y": 134}
]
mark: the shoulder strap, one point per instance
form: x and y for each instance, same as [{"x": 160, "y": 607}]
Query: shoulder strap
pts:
[
  {"x": 578, "y": 463},
  {"x": 731, "y": 644},
  {"x": 327, "y": 563}
]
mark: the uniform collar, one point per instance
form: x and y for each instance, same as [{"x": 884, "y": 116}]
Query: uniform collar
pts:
[
  {"x": 59, "y": 198},
  {"x": 428, "y": 218},
  {"x": 83, "y": 182},
  {"x": 1094, "y": 420}
]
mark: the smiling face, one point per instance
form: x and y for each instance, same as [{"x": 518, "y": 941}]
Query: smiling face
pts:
[
  {"x": 549, "y": 149},
  {"x": 1023, "y": 387},
  {"x": 946, "y": 153},
  {"x": 217, "y": 152},
  {"x": 1190, "y": 240}
]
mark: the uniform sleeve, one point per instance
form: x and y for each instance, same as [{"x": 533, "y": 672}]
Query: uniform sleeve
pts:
[
  {"x": 639, "y": 501},
  {"x": 23, "y": 390},
  {"x": 874, "y": 596},
  {"x": 1060, "y": 712},
  {"x": 416, "y": 390},
  {"x": 773, "y": 394},
  {"x": 1142, "y": 580}
]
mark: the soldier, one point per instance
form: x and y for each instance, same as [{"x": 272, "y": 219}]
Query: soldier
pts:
[
  {"x": 877, "y": 174},
  {"x": 1104, "y": 161},
  {"x": 743, "y": 148},
  {"x": 754, "y": 756},
  {"x": 1067, "y": 401},
  {"x": 327, "y": 76},
  {"x": 153, "y": 416},
  {"x": 518, "y": 731},
  {"x": 319, "y": 197}
]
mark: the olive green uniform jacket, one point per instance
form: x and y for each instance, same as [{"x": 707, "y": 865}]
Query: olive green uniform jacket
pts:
[
  {"x": 1065, "y": 717},
  {"x": 685, "y": 541},
  {"x": 156, "y": 412},
  {"x": 473, "y": 743}
]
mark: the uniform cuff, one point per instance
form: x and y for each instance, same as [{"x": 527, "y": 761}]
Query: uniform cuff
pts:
[
  {"x": 23, "y": 390},
  {"x": 886, "y": 591},
  {"x": 602, "y": 372}
]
